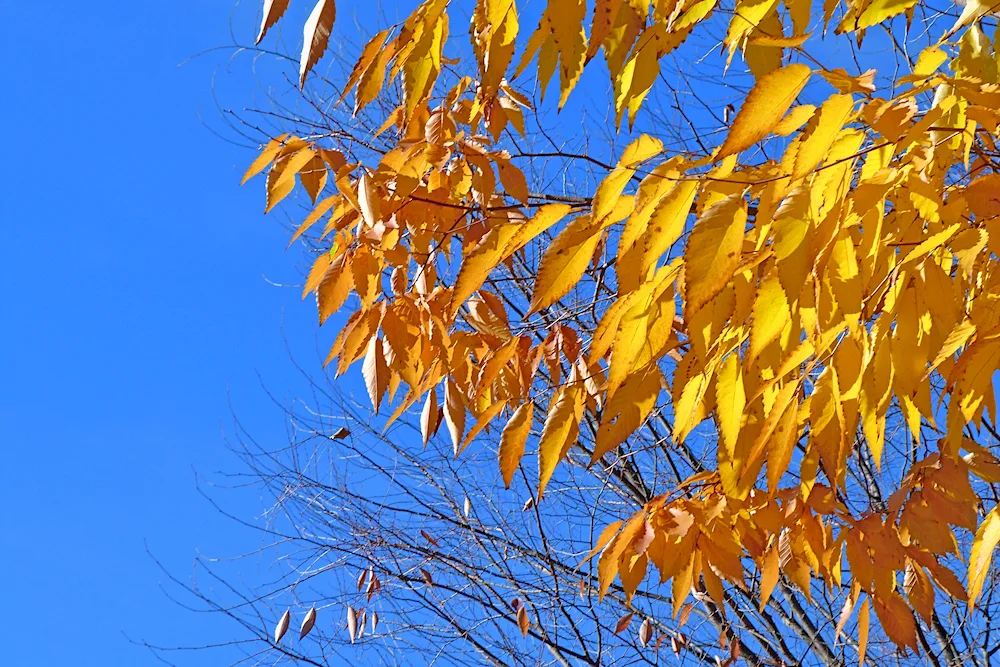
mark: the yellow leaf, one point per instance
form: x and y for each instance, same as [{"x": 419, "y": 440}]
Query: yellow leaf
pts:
[
  {"x": 764, "y": 107},
  {"x": 266, "y": 156},
  {"x": 863, "y": 623},
  {"x": 316, "y": 36},
  {"x": 768, "y": 575},
  {"x": 281, "y": 177},
  {"x": 821, "y": 133},
  {"x": 334, "y": 288},
  {"x": 666, "y": 224},
  {"x": 627, "y": 408},
  {"x": 562, "y": 427},
  {"x": 564, "y": 262},
  {"x": 498, "y": 244},
  {"x": 730, "y": 399},
  {"x": 770, "y": 315},
  {"x": 430, "y": 416},
  {"x": 875, "y": 13},
  {"x": 482, "y": 421},
  {"x": 794, "y": 119},
  {"x": 713, "y": 251},
  {"x": 981, "y": 556},
  {"x": 273, "y": 9},
  {"x": 513, "y": 439}
]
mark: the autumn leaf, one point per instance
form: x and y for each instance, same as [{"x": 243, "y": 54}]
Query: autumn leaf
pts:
[
  {"x": 512, "y": 441},
  {"x": 764, "y": 107},
  {"x": 713, "y": 251},
  {"x": 316, "y": 36}
]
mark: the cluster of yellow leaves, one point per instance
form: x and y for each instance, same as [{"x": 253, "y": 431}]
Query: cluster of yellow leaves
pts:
[{"x": 813, "y": 291}]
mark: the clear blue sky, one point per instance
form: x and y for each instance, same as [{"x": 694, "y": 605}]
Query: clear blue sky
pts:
[{"x": 134, "y": 307}]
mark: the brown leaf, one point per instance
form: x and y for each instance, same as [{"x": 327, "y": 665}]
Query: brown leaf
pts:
[
  {"x": 316, "y": 36},
  {"x": 645, "y": 632},
  {"x": 430, "y": 417},
  {"x": 623, "y": 623},
  {"x": 273, "y": 9},
  {"x": 522, "y": 620},
  {"x": 427, "y": 577},
  {"x": 430, "y": 539},
  {"x": 376, "y": 372},
  {"x": 308, "y": 622},
  {"x": 352, "y": 623},
  {"x": 340, "y": 434},
  {"x": 282, "y": 627}
]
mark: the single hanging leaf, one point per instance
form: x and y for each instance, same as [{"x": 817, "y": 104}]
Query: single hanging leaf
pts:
[
  {"x": 340, "y": 434},
  {"x": 308, "y": 622},
  {"x": 430, "y": 416},
  {"x": 564, "y": 262},
  {"x": 374, "y": 621},
  {"x": 764, "y": 108},
  {"x": 645, "y": 632},
  {"x": 863, "y": 625},
  {"x": 512, "y": 441},
  {"x": 282, "y": 627},
  {"x": 376, "y": 372},
  {"x": 768, "y": 575},
  {"x": 713, "y": 252},
  {"x": 352, "y": 623},
  {"x": 562, "y": 426},
  {"x": 623, "y": 623},
  {"x": 522, "y": 620},
  {"x": 454, "y": 413},
  {"x": 273, "y": 9},
  {"x": 987, "y": 538},
  {"x": 316, "y": 36}
]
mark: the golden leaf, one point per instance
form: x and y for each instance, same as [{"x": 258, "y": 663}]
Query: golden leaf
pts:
[
  {"x": 764, "y": 107},
  {"x": 316, "y": 36}
]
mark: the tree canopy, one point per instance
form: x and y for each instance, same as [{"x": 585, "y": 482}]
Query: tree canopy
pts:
[{"x": 772, "y": 324}]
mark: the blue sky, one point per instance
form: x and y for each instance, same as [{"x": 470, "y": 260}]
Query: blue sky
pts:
[{"x": 135, "y": 308}]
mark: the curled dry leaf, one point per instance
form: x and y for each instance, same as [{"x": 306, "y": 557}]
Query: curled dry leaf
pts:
[
  {"x": 308, "y": 622},
  {"x": 428, "y": 579},
  {"x": 282, "y": 627},
  {"x": 352, "y": 623},
  {"x": 374, "y": 621},
  {"x": 340, "y": 434},
  {"x": 430, "y": 539},
  {"x": 528, "y": 504},
  {"x": 362, "y": 578},
  {"x": 522, "y": 620},
  {"x": 467, "y": 507}
]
